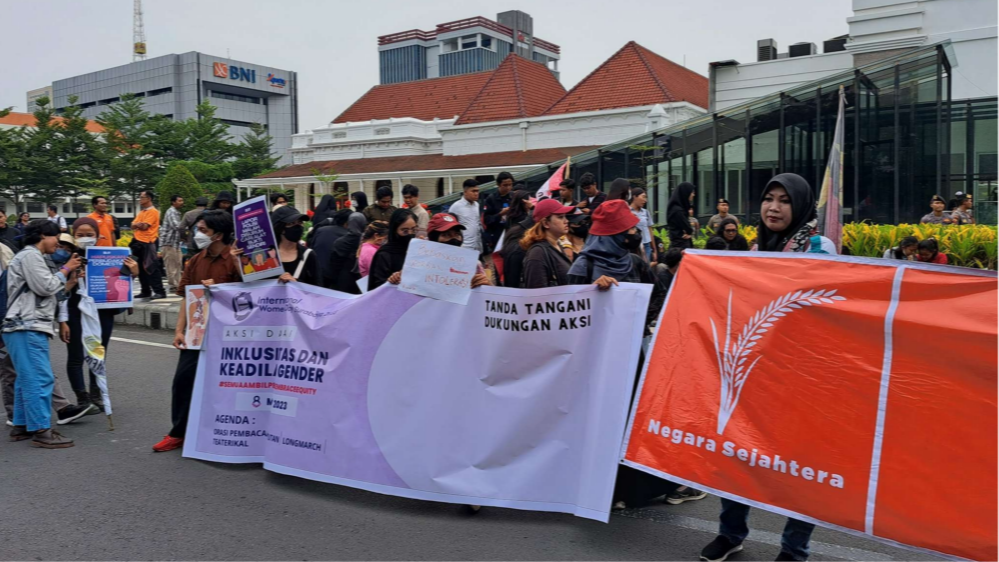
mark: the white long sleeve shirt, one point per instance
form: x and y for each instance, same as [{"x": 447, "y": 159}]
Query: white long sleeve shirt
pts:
[{"x": 468, "y": 216}]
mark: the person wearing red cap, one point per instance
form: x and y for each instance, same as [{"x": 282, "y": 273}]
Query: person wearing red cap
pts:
[
  {"x": 545, "y": 264},
  {"x": 612, "y": 253},
  {"x": 444, "y": 228}
]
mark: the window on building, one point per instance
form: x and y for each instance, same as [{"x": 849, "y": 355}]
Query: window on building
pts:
[
  {"x": 383, "y": 131},
  {"x": 234, "y": 97},
  {"x": 340, "y": 135},
  {"x": 450, "y": 45},
  {"x": 159, "y": 92},
  {"x": 383, "y": 183},
  {"x": 487, "y": 42},
  {"x": 469, "y": 42},
  {"x": 66, "y": 207},
  {"x": 108, "y": 101},
  {"x": 35, "y": 207},
  {"x": 79, "y": 208},
  {"x": 120, "y": 208},
  {"x": 234, "y": 123}
]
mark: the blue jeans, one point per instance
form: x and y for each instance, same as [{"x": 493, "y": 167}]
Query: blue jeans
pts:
[
  {"x": 648, "y": 251},
  {"x": 734, "y": 518},
  {"x": 29, "y": 351}
]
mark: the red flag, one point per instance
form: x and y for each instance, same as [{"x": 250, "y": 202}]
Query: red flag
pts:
[{"x": 551, "y": 185}]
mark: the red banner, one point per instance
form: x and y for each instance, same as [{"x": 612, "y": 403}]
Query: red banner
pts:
[{"x": 858, "y": 394}]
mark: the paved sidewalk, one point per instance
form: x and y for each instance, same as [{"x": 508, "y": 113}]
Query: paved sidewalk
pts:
[{"x": 159, "y": 314}]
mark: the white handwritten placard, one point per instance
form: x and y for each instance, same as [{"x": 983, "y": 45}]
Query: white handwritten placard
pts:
[{"x": 439, "y": 271}]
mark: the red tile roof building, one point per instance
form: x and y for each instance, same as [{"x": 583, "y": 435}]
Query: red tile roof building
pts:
[
  {"x": 517, "y": 88},
  {"x": 634, "y": 76},
  {"x": 441, "y": 98},
  {"x": 14, "y": 119}
]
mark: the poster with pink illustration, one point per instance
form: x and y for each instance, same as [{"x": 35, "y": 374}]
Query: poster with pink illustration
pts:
[
  {"x": 106, "y": 284},
  {"x": 196, "y": 308},
  {"x": 510, "y": 402}
]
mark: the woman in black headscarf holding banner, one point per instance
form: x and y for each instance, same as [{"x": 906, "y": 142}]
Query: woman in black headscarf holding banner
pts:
[
  {"x": 681, "y": 234},
  {"x": 390, "y": 258}
]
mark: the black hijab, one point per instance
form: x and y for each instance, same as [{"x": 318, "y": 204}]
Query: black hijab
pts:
[
  {"x": 360, "y": 201},
  {"x": 678, "y": 210},
  {"x": 325, "y": 209},
  {"x": 391, "y": 256},
  {"x": 802, "y": 212}
]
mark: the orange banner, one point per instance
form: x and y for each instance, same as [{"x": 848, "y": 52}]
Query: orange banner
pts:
[{"x": 858, "y": 394}]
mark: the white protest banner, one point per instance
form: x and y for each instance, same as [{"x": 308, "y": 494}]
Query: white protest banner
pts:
[
  {"x": 439, "y": 271},
  {"x": 518, "y": 399}
]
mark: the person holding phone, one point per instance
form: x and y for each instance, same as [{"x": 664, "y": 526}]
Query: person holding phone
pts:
[{"x": 86, "y": 234}]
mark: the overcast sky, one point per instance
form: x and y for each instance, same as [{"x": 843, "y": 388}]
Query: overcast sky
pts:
[{"x": 332, "y": 44}]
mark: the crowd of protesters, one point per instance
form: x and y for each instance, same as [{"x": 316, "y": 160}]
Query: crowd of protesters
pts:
[{"x": 526, "y": 240}]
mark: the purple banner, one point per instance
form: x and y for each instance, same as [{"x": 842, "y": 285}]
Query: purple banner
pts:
[
  {"x": 505, "y": 401},
  {"x": 255, "y": 236}
]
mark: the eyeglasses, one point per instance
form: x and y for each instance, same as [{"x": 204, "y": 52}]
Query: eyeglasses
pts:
[
  {"x": 730, "y": 230},
  {"x": 407, "y": 231}
]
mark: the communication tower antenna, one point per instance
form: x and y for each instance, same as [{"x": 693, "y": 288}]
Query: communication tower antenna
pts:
[{"x": 138, "y": 32}]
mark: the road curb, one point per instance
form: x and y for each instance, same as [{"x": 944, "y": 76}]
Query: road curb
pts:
[{"x": 159, "y": 314}]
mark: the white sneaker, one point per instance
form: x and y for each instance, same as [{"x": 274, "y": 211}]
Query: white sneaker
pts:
[{"x": 10, "y": 423}]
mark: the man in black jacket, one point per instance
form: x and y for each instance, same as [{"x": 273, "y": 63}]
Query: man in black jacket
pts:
[
  {"x": 322, "y": 241},
  {"x": 8, "y": 234},
  {"x": 495, "y": 210}
]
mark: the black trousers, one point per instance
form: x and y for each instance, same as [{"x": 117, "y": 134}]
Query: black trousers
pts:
[
  {"x": 183, "y": 389},
  {"x": 150, "y": 274},
  {"x": 75, "y": 355}
]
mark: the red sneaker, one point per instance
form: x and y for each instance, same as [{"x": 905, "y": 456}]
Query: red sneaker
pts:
[{"x": 168, "y": 444}]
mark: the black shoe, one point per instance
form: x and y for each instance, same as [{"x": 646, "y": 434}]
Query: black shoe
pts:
[
  {"x": 685, "y": 495},
  {"x": 157, "y": 296},
  {"x": 96, "y": 398},
  {"x": 71, "y": 413},
  {"x": 720, "y": 549},
  {"x": 784, "y": 556}
]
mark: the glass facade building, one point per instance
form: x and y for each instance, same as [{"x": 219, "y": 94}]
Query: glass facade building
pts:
[{"x": 904, "y": 142}]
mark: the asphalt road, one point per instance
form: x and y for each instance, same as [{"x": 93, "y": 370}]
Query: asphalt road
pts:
[{"x": 112, "y": 498}]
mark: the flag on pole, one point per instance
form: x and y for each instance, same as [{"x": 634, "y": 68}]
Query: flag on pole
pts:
[
  {"x": 830, "y": 209},
  {"x": 90, "y": 324},
  {"x": 551, "y": 185}
]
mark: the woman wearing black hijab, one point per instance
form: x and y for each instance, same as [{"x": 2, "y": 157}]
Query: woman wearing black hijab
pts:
[
  {"x": 324, "y": 211},
  {"x": 360, "y": 201},
  {"x": 788, "y": 220},
  {"x": 681, "y": 234},
  {"x": 787, "y": 224},
  {"x": 390, "y": 258}
]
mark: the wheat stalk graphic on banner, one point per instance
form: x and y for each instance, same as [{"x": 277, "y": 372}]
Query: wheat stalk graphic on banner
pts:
[{"x": 732, "y": 359}]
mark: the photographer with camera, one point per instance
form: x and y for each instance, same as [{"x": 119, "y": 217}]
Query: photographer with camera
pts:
[{"x": 85, "y": 235}]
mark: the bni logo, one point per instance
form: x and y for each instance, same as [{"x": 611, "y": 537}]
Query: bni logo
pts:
[{"x": 220, "y": 70}]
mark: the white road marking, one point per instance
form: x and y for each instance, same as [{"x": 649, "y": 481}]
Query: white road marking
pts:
[
  {"x": 755, "y": 535},
  {"x": 140, "y": 342}
]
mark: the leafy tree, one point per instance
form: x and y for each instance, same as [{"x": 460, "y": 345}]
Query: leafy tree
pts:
[
  {"x": 44, "y": 167},
  {"x": 178, "y": 181},
  {"x": 205, "y": 137},
  {"x": 12, "y": 165},
  {"x": 256, "y": 153},
  {"x": 134, "y": 141}
]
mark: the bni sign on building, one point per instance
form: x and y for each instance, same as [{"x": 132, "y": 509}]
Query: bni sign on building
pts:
[{"x": 173, "y": 85}]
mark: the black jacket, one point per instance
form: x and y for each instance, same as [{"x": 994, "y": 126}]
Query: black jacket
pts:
[
  {"x": 310, "y": 271},
  {"x": 383, "y": 265},
  {"x": 322, "y": 243},
  {"x": 545, "y": 266},
  {"x": 9, "y": 237},
  {"x": 640, "y": 273},
  {"x": 491, "y": 209},
  {"x": 342, "y": 276},
  {"x": 513, "y": 254}
]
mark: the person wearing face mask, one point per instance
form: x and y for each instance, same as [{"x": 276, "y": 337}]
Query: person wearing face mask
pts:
[
  {"x": 612, "y": 255},
  {"x": 386, "y": 266},
  {"x": 575, "y": 240},
  {"x": 445, "y": 228},
  {"x": 85, "y": 235},
  {"x": 681, "y": 232},
  {"x": 33, "y": 290},
  {"x": 215, "y": 263},
  {"x": 299, "y": 262},
  {"x": 342, "y": 272}
]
